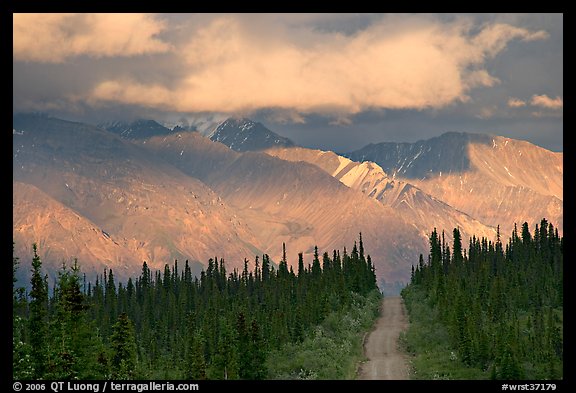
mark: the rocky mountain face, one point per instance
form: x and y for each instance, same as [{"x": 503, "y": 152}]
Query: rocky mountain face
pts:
[
  {"x": 139, "y": 129},
  {"x": 496, "y": 180},
  {"x": 144, "y": 192},
  {"x": 246, "y": 135},
  {"x": 418, "y": 208}
]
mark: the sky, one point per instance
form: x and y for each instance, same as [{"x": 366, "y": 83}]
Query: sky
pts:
[{"x": 328, "y": 81}]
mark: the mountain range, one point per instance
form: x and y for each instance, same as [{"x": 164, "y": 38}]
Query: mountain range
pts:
[
  {"x": 118, "y": 194},
  {"x": 497, "y": 180}
]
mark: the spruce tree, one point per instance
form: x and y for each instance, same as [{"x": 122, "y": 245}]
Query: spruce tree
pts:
[
  {"x": 195, "y": 362},
  {"x": 38, "y": 319},
  {"x": 123, "y": 347},
  {"x": 22, "y": 367}
]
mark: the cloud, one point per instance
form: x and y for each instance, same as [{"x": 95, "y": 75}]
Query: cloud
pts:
[
  {"x": 246, "y": 63},
  {"x": 480, "y": 78},
  {"x": 550, "y": 106},
  {"x": 494, "y": 38},
  {"x": 127, "y": 91},
  {"x": 546, "y": 102},
  {"x": 285, "y": 117},
  {"x": 54, "y": 38},
  {"x": 487, "y": 112},
  {"x": 516, "y": 102},
  {"x": 395, "y": 63},
  {"x": 341, "y": 121}
]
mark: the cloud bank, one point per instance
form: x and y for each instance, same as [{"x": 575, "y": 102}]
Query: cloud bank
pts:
[{"x": 245, "y": 63}]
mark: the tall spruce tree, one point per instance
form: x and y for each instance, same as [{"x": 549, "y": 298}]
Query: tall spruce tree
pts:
[
  {"x": 38, "y": 320},
  {"x": 123, "y": 345}
]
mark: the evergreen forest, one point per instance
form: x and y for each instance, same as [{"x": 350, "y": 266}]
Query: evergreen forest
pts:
[
  {"x": 172, "y": 325},
  {"x": 494, "y": 312}
]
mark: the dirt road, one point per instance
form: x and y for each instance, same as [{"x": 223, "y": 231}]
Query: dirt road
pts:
[{"x": 385, "y": 361}]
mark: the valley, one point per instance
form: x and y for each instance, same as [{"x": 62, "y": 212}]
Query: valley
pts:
[{"x": 257, "y": 197}]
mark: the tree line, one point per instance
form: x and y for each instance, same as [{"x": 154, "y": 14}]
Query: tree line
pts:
[
  {"x": 172, "y": 325},
  {"x": 501, "y": 303}
]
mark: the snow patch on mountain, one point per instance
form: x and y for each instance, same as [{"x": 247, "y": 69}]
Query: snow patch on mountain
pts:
[
  {"x": 361, "y": 174},
  {"x": 343, "y": 163}
]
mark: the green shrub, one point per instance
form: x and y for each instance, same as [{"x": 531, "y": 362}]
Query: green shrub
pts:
[{"x": 335, "y": 348}]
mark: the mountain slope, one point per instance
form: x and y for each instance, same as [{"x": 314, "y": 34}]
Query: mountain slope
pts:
[
  {"x": 61, "y": 235},
  {"x": 296, "y": 203},
  {"x": 144, "y": 204},
  {"x": 494, "y": 179},
  {"x": 145, "y": 192},
  {"x": 137, "y": 129},
  {"x": 246, "y": 135},
  {"x": 415, "y": 206}
]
